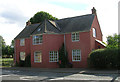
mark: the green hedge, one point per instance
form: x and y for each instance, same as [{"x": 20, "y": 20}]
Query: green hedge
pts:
[{"x": 104, "y": 58}]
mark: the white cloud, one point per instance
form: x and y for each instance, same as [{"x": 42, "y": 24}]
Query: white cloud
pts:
[{"x": 16, "y": 13}]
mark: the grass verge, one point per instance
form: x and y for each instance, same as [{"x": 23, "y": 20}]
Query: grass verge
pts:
[{"x": 6, "y": 62}]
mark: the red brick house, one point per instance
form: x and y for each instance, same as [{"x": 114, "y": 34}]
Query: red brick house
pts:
[{"x": 80, "y": 34}]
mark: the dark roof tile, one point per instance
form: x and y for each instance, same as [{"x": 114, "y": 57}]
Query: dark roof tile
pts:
[
  {"x": 72, "y": 24},
  {"x": 26, "y": 32}
]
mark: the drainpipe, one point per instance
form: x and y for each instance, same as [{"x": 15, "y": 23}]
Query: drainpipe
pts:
[
  {"x": 15, "y": 51},
  {"x": 64, "y": 45}
]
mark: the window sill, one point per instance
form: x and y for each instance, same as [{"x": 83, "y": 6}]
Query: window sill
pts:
[
  {"x": 37, "y": 44},
  {"x": 53, "y": 61},
  {"x": 76, "y": 60},
  {"x": 75, "y": 40},
  {"x": 37, "y": 62}
]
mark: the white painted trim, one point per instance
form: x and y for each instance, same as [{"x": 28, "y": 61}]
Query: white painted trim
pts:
[
  {"x": 33, "y": 41},
  {"x": 75, "y": 36},
  {"x": 24, "y": 55},
  {"x": 94, "y": 31},
  {"x": 34, "y": 57},
  {"x": 20, "y": 42},
  {"x": 72, "y": 56},
  {"x": 57, "y": 57}
]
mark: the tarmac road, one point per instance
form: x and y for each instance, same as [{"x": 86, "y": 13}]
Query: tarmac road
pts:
[{"x": 32, "y": 75}]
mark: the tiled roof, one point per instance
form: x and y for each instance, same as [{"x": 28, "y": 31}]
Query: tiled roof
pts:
[
  {"x": 26, "y": 32},
  {"x": 72, "y": 24}
]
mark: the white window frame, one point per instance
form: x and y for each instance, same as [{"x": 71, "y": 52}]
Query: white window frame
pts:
[
  {"x": 94, "y": 32},
  {"x": 22, "y": 42},
  {"x": 40, "y": 39},
  {"x": 40, "y": 60},
  {"x": 22, "y": 56},
  {"x": 52, "y": 56},
  {"x": 76, "y": 54},
  {"x": 74, "y": 36}
]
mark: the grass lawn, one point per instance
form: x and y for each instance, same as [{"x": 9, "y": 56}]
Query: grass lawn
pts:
[{"x": 6, "y": 62}]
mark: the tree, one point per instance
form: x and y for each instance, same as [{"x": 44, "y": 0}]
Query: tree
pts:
[
  {"x": 41, "y": 16},
  {"x": 12, "y": 43},
  {"x": 2, "y": 46},
  {"x": 63, "y": 58},
  {"x": 6, "y": 50},
  {"x": 113, "y": 41}
]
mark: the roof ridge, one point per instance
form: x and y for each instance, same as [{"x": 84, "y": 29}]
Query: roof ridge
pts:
[{"x": 74, "y": 17}]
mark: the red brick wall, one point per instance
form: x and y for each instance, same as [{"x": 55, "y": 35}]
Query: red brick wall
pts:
[
  {"x": 25, "y": 48},
  {"x": 98, "y": 33},
  {"x": 51, "y": 42},
  {"x": 83, "y": 44}
]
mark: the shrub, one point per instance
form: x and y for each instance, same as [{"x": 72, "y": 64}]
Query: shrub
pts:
[
  {"x": 21, "y": 63},
  {"x": 16, "y": 64},
  {"x": 63, "y": 58},
  {"x": 28, "y": 61},
  {"x": 104, "y": 58}
]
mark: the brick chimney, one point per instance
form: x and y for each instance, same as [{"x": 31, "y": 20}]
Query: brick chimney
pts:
[
  {"x": 28, "y": 23},
  {"x": 94, "y": 11}
]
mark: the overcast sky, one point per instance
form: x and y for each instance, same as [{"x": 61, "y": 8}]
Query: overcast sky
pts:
[{"x": 15, "y": 13}]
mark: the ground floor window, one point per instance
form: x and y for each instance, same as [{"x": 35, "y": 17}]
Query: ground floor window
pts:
[
  {"x": 76, "y": 55},
  {"x": 37, "y": 57},
  {"x": 22, "y": 56},
  {"x": 53, "y": 56}
]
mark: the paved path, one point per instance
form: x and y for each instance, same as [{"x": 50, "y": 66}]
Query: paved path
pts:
[
  {"x": 66, "y": 70},
  {"x": 58, "y": 75}
]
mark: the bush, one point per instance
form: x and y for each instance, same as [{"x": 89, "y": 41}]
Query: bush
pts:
[
  {"x": 28, "y": 61},
  {"x": 21, "y": 63},
  {"x": 63, "y": 58},
  {"x": 104, "y": 58}
]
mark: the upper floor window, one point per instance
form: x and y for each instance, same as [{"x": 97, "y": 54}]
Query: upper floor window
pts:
[
  {"x": 53, "y": 56},
  {"x": 22, "y": 42},
  {"x": 94, "y": 32},
  {"x": 37, "y": 39},
  {"x": 76, "y": 55},
  {"x": 75, "y": 36},
  {"x": 22, "y": 56}
]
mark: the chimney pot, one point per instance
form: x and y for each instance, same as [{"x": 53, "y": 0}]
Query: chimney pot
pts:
[
  {"x": 28, "y": 23},
  {"x": 93, "y": 10}
]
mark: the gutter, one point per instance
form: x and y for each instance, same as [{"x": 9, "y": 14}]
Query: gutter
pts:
[{"x": 64, "y": 45}]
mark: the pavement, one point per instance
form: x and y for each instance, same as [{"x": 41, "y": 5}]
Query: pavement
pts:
[
  {"x": 66, "y": 70},
  {"x": 27, "y": 74}
]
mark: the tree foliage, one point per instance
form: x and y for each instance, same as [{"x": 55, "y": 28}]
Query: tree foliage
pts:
[
  {"x": 7, "y": 50},
  {"x": 41, "y": 16},
  {"x": 113, "y": 41},
  {"x": 63, "y": 58}
]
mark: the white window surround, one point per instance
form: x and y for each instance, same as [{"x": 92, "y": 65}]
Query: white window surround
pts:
[
  {"x": 22, "y": 56},
  {"x": 37, "y": 39},
  {"x": 53, "y": 56},
  {"x": 76, "y": 55},
  {"x": 94, "y": 32},
  {"x": 37, "y": 57},
  {"x": 75, "y": 36},
  {"x": 22, "y": 42}
]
